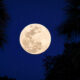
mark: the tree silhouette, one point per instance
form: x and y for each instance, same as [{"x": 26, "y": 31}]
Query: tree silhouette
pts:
[
  {"x": 72, "y": 25},
  {"x": 65, "y": 66},
  {"x": 3, "y": 23}
]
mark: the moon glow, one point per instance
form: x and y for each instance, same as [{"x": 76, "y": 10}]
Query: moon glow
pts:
[{"x": 35, "y": 38}]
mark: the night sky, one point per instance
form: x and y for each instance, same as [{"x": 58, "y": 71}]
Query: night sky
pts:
[{"x": 14, "y": 61}]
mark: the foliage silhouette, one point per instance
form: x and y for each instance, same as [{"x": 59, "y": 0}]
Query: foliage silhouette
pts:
[
  {"x": 6, "y": 78},
  {"x": 65, "y": 66},
  {"x": 72, "y": 25},
  {"x": 3, "y": 23}
]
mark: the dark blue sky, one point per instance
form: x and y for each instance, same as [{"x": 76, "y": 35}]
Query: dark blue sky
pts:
[{"x": 14, "y": 61}]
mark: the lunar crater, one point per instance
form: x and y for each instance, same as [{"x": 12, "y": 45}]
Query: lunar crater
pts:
[{"x": 35, "y": 38}]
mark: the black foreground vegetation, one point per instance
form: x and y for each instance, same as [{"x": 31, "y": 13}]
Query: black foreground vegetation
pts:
[
  {"x": 67, "y": 65},
  {"x": 3, "y": 25}
]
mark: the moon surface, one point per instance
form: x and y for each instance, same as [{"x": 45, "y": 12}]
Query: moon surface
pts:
[{"x": 35, "y": 38}]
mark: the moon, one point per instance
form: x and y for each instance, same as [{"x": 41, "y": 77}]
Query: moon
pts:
[{"x": 35, "y": 38}]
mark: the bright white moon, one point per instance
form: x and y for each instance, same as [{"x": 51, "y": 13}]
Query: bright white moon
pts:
[{"x": 35, "y": 38}]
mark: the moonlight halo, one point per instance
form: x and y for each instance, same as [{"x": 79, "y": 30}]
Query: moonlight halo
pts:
[{"x": 35, "y": 38}]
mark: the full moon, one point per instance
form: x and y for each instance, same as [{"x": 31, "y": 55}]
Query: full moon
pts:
[{"x": 35, "y": 38}]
